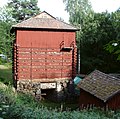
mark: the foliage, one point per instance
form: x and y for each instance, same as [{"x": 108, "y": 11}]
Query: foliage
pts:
[
  {"x": 78, "y": 10},
  {"x": 114, "y": 45},
  {"x": 15, "y": 105},
  {"x": 22, "y": 9},
  {"x": 6, "y": 74},
  {"x": 95, "y": 34},
  {"x": 96, "y": 30},
  {"x": 6, "y": 39},
  {"x": 15, "y": 11}
]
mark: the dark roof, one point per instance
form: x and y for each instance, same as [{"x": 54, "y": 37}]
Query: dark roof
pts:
[
  {"x": 44, "y": 21},
  {"x": 115, "y": 75},
  {"x": 101, "y": 85}
]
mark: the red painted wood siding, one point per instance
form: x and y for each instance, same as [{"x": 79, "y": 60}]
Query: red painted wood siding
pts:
[
  {"x": 39, "y": 56},
  {"x": 87, "y": 100},
  {"x": 114, "y": 102},
  {"x": 44, "y": 39}
]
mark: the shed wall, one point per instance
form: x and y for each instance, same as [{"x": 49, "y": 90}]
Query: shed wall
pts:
[
  {"x": 114, "y": 102},
  {"x": 86, "y": 100}
]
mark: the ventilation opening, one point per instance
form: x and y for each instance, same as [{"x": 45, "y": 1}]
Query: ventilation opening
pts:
[{"x": 66, "y": 49}]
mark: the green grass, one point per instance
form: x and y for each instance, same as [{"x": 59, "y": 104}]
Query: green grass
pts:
[
  {"x": 61, "y": 105},
  {"x": 6, "y": 74}
]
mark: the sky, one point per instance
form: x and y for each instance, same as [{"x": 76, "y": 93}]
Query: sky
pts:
[{"x": 57, "y": 9}]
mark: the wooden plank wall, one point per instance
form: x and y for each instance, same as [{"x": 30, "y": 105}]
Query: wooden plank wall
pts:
[
  {"x": 37, "y": 63},
  {"x": 37, "y": 55}
]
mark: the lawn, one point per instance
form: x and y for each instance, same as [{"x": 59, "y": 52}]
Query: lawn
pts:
[{"x": 6, "y": 74}]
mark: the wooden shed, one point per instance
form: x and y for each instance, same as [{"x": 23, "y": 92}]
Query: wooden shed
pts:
[
  {"x": 99, "y": 90},
  {"x": 44, "y": 52}
]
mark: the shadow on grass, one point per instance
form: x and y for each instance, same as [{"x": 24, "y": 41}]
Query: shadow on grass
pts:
[{"x": 62, "y": 106}]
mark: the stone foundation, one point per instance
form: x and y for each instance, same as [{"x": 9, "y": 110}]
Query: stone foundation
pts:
[
  {"x": 34, "y": 88},
  {"x": 27, "y": 86}
]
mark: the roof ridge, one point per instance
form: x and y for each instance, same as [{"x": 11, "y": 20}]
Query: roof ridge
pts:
[
  {"x": 44, "y": 12},
  {"x": 107, "y": 74}
]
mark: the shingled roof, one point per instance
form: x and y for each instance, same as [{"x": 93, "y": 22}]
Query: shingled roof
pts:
[
  {"x": 44, "y": 21},
  {"x": 101, "y": 85}
]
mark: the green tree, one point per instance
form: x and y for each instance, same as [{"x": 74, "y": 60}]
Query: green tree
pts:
[
  {"x": 14, "y": 11},
  {"x": 114, "y": 45},
  {"x": 5, "y": 38},
  {"x": 22, "y": 9},
  {"x": 79, "y": 10},
  {"x": 96, "y": 30},
  {"x": 96, "y": 33}
]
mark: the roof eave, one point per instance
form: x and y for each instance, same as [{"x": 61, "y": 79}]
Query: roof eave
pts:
[
  {"x": 112, "y": 96},
  {"x": 31, "y": 28}
]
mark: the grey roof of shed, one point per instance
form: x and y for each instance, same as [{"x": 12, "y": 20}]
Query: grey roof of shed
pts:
[
  {"x": 44, "y": 21},
  {"x": 101, "y": 85}
]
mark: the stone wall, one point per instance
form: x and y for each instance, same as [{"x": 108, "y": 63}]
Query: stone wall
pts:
[
  {"x": 34, "y": 88},
  {"x": 27, "y": 86}
]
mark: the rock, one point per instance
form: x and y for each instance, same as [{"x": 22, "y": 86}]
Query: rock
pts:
[{"x": 38, "y": 92}]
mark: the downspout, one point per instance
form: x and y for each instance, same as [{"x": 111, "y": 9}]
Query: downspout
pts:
[
  {"x": 79, "y": 60},
  {"x": 78, "y": 72},
  {"x": 79, "y": 46}
]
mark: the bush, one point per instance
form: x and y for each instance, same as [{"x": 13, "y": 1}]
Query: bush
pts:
[
  {"x": 2, "y": 61},
  {"x": 14, "y": 112}
]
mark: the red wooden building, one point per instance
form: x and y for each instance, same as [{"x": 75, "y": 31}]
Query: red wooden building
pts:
[
  {"x": 99, "y": 90},
  {"x": 44, "y": 52}
]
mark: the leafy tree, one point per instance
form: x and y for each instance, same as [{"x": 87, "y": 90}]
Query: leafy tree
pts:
[
  {"x": 15, "y": 11},
  {"x": 114, "y": 45},
  {"x": 5, "y": 38},
  {"x": 96, "y": 33},
  {"x": 96, "y": 30},
  {"x": 22, "y": 9},
  {"x": 78, "y": 10}
]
